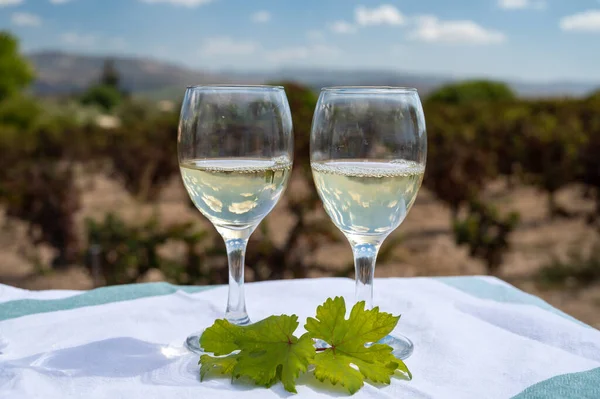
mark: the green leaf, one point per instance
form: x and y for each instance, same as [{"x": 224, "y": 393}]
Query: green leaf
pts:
[
  {"x": 351, "y": 344},
  {"x": 221, "y": 338},
  {"x": 269, "y": 351},
  {"x": 223, "y": 365}
]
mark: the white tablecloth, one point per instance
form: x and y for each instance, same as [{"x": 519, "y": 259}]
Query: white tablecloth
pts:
[{"x": 475, "y": 337}]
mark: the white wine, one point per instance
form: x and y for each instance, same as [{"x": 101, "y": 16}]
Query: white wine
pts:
[
  {"x": 367, "y": 197},
  {"x": 235, "y": 192}
]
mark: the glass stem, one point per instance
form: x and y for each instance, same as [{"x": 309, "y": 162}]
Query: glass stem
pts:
[
  {"x": 365, "y": 255},
  {"x": 236, "y": 242}
]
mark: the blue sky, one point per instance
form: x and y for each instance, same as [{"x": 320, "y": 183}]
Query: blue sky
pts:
[{"x": 518, "y": 39}]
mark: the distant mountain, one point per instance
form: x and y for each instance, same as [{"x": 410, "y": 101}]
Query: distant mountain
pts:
[
  {"x": 64, "y": 73},
  {"x": 425, "y": 83},
  {"x": 318, "y": 78},
  {"x": 554, "y": 89}
]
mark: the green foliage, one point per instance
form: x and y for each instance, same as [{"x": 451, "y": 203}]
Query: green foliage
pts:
[
  {"x": 579, "y": 268},
  {"x": 588, "y": 154},
  {"x": 348, "y": 339},
  {"x": 594, "y": 97},
  {"x": 104, "y": 96},
  {"x": 15, "y": 73},
  {"x": 462, "y": 160},
  {"x": 20, "y": 112},
  {"x": 126, "y": 252},
  {"x": 551, "y": 142},
  {"x": 548, "y": 143},
  {"x": 37, "y": 170},
  {"x": 486, "y": 233},
  {"x": 269, "y": 352},
  {"x": 110, "y": 75},
  {"x": 143, "y": 152},
  {"x": 44, "y": 195},
  {"x": 107, "y": 93},
  {"x": 476, "y": 91}
]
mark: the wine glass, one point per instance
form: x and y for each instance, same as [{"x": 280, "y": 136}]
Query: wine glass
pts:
[
  {"x": 235, "y": 146},
  {"x": 368, "y": 151}
]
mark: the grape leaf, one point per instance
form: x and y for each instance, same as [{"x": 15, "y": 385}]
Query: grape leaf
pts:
[
  {"x": 351, "y": 342},
  {"x": 220, "y": 338},
  {"x": 223, "y": 365},
  {"x": 268, "y": 350}
]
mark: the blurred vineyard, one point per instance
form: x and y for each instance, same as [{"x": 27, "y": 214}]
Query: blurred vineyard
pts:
[{"x": 60, "y": 160}]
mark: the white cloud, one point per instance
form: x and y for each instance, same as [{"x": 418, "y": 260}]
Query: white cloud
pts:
[
  {"x": 385, "y": 14},
  {"x": 522, "y": 4},
  {"x": 382, "y": 15},
  {"x": 301, "y": 52},
  {"x": 78, "y": 40},
  {"x": 430, "y": 29},
  {"x": 261, "y": 17},
  {"x": 185, "y": 3},
  {"x": 228, "y": 46},
  {"x": 25, "y": 19},
  {"x": 342, "y": 27},
  {"x": 587, "y": 21},
  {"x": 314, "y": 34},
  {"x": 6, "y": 3},
  {"x": 60, "y": 1}
]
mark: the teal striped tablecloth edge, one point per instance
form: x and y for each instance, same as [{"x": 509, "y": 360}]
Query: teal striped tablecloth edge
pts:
[
  {"x": 98, "y": 296},
  {"x": 583, "y": 385},
  {"x": 482, "y": 288},
  {"x": 477, "y": 286}
]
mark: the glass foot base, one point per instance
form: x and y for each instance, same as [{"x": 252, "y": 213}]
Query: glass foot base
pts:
[
  {"x": 401, "y": 345},
  {"x": 192, "y": 343}
]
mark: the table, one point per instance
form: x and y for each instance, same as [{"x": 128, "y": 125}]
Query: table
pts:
[{"x": 475, "y": 337}]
